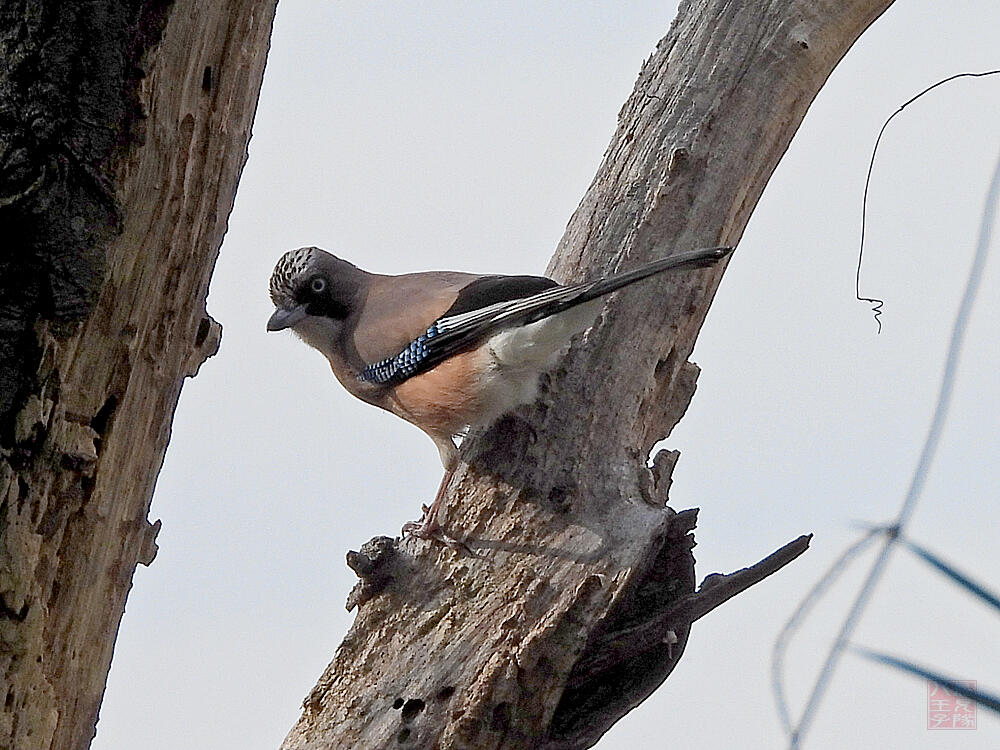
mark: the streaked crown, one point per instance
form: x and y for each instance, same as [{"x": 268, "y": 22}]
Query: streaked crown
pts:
[{"x": 289, "y": 267}]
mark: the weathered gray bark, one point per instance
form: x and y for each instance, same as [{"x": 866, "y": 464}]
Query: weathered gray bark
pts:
[
  {"x": 123, "y": 132},
  {"x": 564, "y": 624}
]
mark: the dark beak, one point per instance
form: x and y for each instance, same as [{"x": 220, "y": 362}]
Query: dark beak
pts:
[{"x": 282, "y": 318}]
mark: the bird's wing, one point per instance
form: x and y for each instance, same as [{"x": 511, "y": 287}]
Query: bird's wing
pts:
[
  {"x": 416, "y": 353},
  {"x": 398, "y": 309},
  {"x": 490, "y": 304},
  {"x": 492, "y": 290}
]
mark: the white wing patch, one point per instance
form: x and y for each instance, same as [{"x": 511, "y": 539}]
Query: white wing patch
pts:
[{"x": 520, "y": 355}]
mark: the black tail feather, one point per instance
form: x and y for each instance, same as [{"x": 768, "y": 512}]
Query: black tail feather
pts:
[{"x": 454, "y": 333}]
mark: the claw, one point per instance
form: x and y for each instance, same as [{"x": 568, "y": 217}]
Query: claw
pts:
[
  {"x": 429, "y": 528},
  {"x": 432, "y": 532}
]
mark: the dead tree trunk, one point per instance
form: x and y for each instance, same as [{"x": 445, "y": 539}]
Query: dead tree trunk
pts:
[
  {"x": 123, "y": 131},
  {"x": 582, "y": 600}
]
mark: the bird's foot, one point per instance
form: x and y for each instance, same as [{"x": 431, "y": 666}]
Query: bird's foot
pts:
[{"x": 432, "y": 531}]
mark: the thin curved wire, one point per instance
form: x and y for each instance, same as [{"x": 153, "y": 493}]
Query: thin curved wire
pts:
[
  {"x": 829, "y": 577},
  {"x": 877, "y": 309},
  {"x": 923, "y": 465},
  {"x": 795, "y": 621}
]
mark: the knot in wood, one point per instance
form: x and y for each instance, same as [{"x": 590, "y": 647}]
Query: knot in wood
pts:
[
  {"x": 373, "y": 564},
  {"x": 679, "y": 158},
  {"x": 374, "y": 554}
]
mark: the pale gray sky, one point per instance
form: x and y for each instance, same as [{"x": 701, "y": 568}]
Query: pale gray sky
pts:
[{"x": 410, "y": 136}]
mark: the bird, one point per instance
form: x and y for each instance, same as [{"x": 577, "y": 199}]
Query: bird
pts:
[{"x": 445, "y": 350}]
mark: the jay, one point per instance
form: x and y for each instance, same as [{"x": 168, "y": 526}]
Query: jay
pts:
[{"x": 444, "y": 350}]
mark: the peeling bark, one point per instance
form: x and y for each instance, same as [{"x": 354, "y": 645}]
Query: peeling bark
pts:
[
  {"x": 123, "y": 132},
  {"x": 522, "y": 645}
]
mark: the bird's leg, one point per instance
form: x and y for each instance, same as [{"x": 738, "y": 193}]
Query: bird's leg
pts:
[{"x": 428, "y": 527}]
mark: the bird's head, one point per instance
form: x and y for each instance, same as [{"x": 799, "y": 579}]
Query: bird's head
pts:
[{"x": 311, "y": 287}]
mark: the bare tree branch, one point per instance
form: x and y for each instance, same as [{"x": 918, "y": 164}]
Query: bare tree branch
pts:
[
  {"x": 123, "y": 132},
  {"x": 450, "y": 651},
  {"x": 612, "y": 649}
]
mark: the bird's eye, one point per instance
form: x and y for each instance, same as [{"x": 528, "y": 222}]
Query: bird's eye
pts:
[{"x": 318, "y": 285}]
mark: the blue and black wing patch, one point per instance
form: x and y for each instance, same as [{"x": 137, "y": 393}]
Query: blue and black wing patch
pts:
[
  {"x": 492, "y": 303},
  {"x": 412, "y": 360},
  {"x": 425, "y": 351}
]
